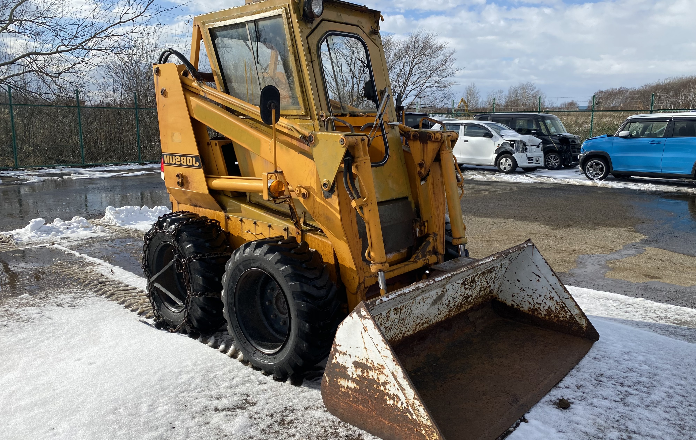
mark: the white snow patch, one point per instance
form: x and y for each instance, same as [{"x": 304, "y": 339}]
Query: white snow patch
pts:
[
  {"x": 632, "y": 384},
  {"x": 109, "y": 270},
  {"x": 574, "y": 176},
  {"x": 613, "y": 305},
  {"x": 38, "y": 230},
  {"x": 58, "y": 173},
  {"x": 134, "y": 217}
]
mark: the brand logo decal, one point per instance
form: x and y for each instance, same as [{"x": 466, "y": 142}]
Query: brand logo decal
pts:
[{"x": 182, "y": 160}]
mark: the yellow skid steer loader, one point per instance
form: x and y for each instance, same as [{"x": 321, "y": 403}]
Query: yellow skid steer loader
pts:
[{"x": 309, "y": 220}]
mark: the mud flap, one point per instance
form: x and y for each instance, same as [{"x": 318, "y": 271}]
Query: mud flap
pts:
[{"x": 462, "y": 355}]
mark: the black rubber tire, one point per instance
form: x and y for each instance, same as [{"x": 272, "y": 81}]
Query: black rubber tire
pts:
[
  {"x": 289, "y": 283},
  {"x": 177, "y": 237},
  {"x": 596, "y": 168},
  {"x": 506, "y": 163},
  {"x": 552, "y": 161}
]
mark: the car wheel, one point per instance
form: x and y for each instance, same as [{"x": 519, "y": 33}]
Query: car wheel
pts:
[
  {"x": 552, "y": 161},
  {"x": 506, "y": 163},
  {"x": 596, "y": 168}
]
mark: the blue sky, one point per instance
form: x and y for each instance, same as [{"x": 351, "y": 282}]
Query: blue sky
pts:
[{"x": 568, "y": 48}]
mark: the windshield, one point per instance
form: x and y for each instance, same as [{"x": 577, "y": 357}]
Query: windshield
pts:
[
  {"x": 255, "y": 54},
  {"x": 498, "y": 128},
  {"x": 554, "y": 125}
]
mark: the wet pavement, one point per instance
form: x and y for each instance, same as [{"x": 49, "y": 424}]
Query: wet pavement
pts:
[
  {"x": 586, "y": 232},
  {"x": 65, "y": 198}
]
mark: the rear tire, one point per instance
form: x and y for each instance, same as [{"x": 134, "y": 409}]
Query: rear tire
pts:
[
  {"x": 281, "y": 307},
  {"x": 596, "y": 168},
  {"x": 552, "y": 161},
  {"x": 184, "y": 256},
  {"x": 506, "y": 163}
]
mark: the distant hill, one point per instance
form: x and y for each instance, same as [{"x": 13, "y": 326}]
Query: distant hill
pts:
[{"x": 677, "y": 92}]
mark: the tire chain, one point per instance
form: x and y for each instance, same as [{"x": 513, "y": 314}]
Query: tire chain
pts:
[{"x": 180, "y": 264}]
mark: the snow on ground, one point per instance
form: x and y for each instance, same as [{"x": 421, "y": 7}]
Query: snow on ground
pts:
[
  {"x": 85, "y": 368},
  {"x": 32, "y": 175},
  {"x": 573, "y": 176},
  {"x": 134, "y": 217}
]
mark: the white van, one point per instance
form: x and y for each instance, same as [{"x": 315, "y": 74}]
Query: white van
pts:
[{"x": 494, "y": 144}]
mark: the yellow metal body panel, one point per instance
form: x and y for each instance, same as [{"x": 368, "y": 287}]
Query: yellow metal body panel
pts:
[{"x": 309, "y": 155}]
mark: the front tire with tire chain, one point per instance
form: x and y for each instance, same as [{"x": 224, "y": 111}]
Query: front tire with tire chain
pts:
[
  {"x": 184, "y": 256},
  {"x": 506, "y": 163},
  {"x": 281, "y": 306},
  {"x": 596, "y": 168}
]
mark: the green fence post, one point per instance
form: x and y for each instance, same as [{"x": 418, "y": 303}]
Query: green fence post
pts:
[
  {"x": 138, "y": 134},
  {"x": 539, "y": 104},
  {"x": 590, "y": 135},
  {"x": 80, "y": 128},
  {"x": 12, "y": 125},
  {"x": 493, "y": 109},
  {"x": 651, "y": 108}
]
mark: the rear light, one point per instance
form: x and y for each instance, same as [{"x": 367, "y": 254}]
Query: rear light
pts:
[{"x": 162, "y": 169}]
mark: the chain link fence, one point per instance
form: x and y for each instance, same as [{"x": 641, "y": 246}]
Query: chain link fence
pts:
[{"x": 37, "y": 135}]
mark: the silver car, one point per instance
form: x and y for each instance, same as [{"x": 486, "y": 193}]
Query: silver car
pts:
[{"x": 494, "y": 144}]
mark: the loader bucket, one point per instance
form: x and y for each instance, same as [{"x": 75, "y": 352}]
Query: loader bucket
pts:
[{"x": 462, "y": 355}]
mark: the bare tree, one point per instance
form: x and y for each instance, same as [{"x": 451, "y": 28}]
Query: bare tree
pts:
[
  {"x": 523, "y": 96},
  {"x": 678, "y": 92},
  {"x": 420, "y": 68},
  {"x": 46, "y": 44},
  {"x": 472, "y": 96},
  {"x": 495, "y": 98}
]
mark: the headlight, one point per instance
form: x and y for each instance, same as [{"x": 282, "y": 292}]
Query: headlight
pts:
[{"x": 313, "y": 9}]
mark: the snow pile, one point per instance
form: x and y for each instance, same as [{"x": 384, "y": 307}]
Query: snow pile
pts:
[
  {"x": 134, "y": 217},
  {"x": 39, "y": 231},
  {"x": 575, "y": 177}
]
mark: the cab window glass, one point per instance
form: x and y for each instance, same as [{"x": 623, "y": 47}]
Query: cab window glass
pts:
[
  {"x": 347, "y": 74},
  {"x": 452, "y": 127},
  {"x": 554, "y": 125},
  {"x": 253, "y": 55},
  {"x": 473, "y": 130},
  {"x": 684, "y": 128},
  {"x": 647, "y": 129},
  {"x": 504, "y": 121},
  {"x": 524, "y": 125},
  {"x": 542, "y": 127}
]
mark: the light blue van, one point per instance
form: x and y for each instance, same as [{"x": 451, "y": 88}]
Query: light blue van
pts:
[{"x": 652, "y": 145}]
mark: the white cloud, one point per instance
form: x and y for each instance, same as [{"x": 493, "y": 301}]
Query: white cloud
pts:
[{"x": 566, "y": 49}]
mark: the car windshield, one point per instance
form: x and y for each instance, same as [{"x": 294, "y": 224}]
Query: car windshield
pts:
[
  {"x": 498, "y": 128},
  {"x": 554, "y": 125}
]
